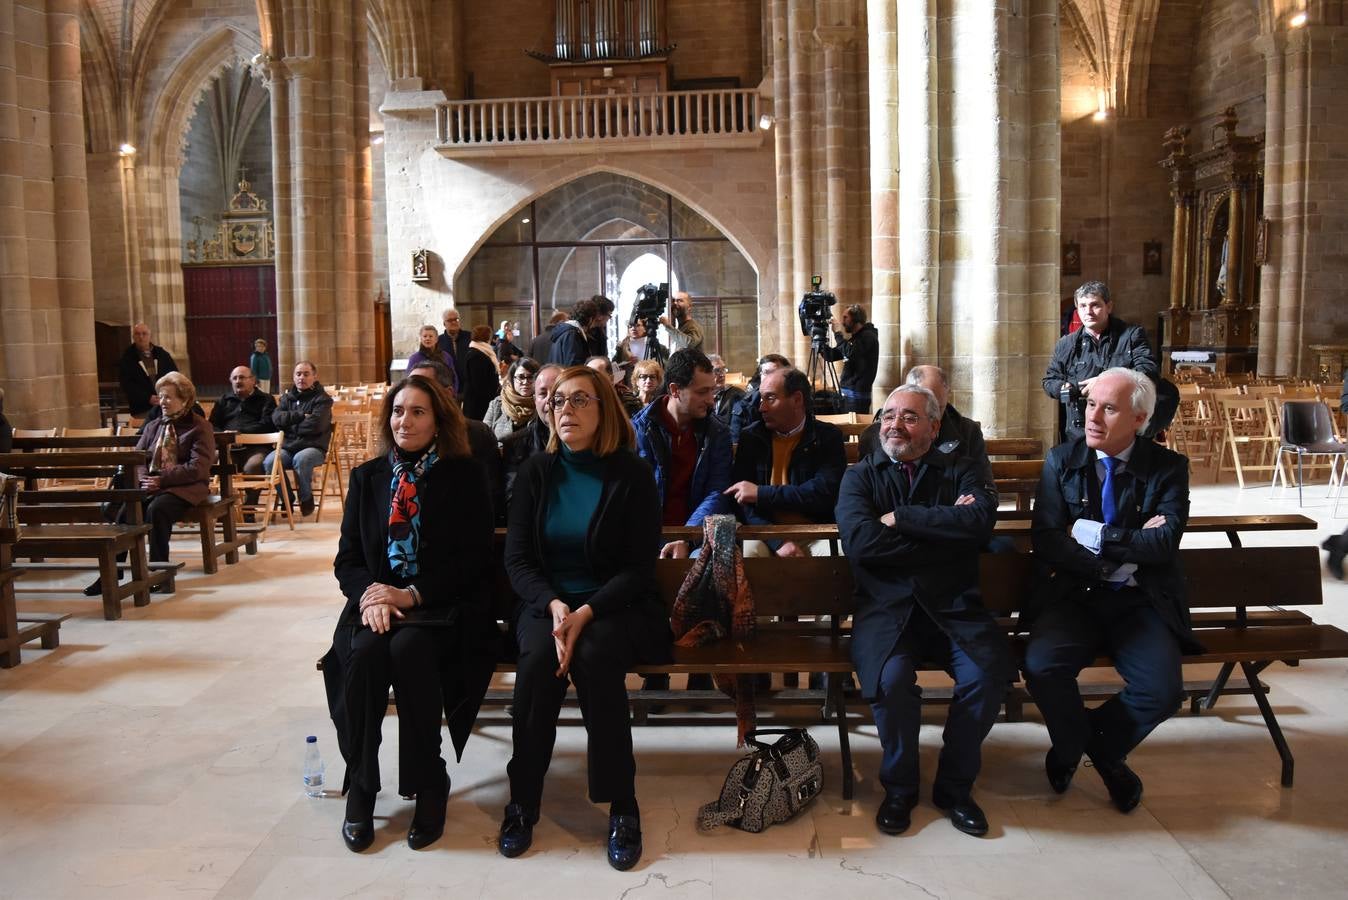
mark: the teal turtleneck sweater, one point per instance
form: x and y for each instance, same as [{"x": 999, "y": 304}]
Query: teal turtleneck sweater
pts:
[{"x": 573, "y": 496}]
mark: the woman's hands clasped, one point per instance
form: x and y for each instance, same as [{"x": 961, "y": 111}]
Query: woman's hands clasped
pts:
[
  {"x": 567, "y": 624},
  {"x": 380, "y": 604}
]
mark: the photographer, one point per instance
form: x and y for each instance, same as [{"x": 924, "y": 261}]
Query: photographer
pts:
[
  {"x": 684, "y": 332},
  {"x": 636, "y": 347},
  {"x": 1103, "y": 342},
  {"x": 861, "y": 350}
]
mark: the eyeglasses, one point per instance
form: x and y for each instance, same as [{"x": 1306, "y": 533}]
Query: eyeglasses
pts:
[
  {"x": 648, "y": 377},
  {"x": 578, "y": 401},
  {"x": 718, "y": 370},
  {"x": 908, "y": 419},
  {"x": 523, "y": 376}
]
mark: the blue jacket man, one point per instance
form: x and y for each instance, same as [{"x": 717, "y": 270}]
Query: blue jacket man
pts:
[{"x": 688, "y": 448}]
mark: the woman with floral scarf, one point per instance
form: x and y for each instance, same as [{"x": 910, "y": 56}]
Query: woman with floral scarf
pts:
[{"x": 413, "y": 563}]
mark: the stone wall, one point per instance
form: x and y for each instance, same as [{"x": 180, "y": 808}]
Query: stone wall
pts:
[
  {"x": 1228, "y": 69},
  {"x": 47, "y": 367}
]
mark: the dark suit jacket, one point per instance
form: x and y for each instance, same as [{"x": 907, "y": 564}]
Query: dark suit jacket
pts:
[
  {"x": 455, "y": 557},
  {"x": 814, "y": 472},
  {"x": 136, "y": 384},
  {"x": 1154, "y": 482},
  {"x": 929, "y": 559},
  {"x": 480, "y": 384},
  {"x": 457, "y": 348},
  {"x": 621, "y": 547}
]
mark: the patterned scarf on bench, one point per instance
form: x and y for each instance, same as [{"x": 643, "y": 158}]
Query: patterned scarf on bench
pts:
[{"x": 715, "y": 601}]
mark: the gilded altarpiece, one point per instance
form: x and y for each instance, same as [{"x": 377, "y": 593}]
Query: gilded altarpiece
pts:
[{"x": 1218, "y": 245}]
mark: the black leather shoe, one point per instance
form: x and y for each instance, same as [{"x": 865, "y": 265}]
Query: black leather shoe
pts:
[
  {"x": 624, "y": 842},
  {"x": 358, "y": 829},
  {"x": 1124, "y": 787},
  {"x": 306, "y": 507},
  {"x": 95, "y": 589},
  {"x": 160, "y": 588},
  {"x": 966, "y": 815},
  {"x": 517, "y": 831},
  {"x": 1059, "y": 776},
  {"x": 428, "y": 822},
  {"x": 895, "y": 814},
  {"x": 1338, "y": 548}
]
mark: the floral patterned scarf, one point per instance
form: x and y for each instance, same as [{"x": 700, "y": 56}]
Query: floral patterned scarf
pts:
[{"x": 404, "y": 514}]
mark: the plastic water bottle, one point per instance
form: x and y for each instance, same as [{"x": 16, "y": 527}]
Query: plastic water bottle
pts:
[{"x": 313, "y": 768}]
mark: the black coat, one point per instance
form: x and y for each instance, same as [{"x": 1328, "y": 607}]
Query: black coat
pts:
[
  {"x": 457, "y": 348},
  {"x": 455, "y": 580},
  {"x": 480, "y": 384},
  {"x": 305, "y": 417},
  {"x": 862, "y": 354},
  {"x": 136, "y": 384},
  {"x": 814, "y": 473},
  {"x": 540, "y": 348},
  {"x": 928, "y": 559},
  {"x": 522, "y": 444},
  {"x": 621, "y": 546},
  {"x": 250, "y": 415},
  {"x": 570, "y": 345},
  {"x": 1079, "y": 356},
  {"x": 1155, "y": 482}
]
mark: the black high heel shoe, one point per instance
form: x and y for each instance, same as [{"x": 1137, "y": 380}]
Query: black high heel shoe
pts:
[
  {"x": 96, "y": 589},
  {"x": 428, "y": 822},
  {"x": 358, "y": 828}
]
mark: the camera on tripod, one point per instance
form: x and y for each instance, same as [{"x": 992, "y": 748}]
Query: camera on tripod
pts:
[
  {"x": 650, "y": 305},
  {"x": 814, "y": 312}
]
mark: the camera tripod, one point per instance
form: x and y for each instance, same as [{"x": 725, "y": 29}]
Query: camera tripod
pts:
[{"x": 819, "y": 370}]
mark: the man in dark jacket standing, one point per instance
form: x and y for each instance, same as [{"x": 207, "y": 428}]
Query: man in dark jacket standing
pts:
[
  {"x": 912, "y": 521},
  {"x": 540, "y": 348},
  {"x": 246, "y": 410},
  {"x": 455, "y": 341},
  {"x": 1102, "y": 342},
  {"x": 143, "y": 364},
  {"x": 305, "y": 415},
  {"x": 788, "y": 465},
  {"x": 571, "y": 339},
  {"x": 860, "y": 347},
  {"x": 532, "y": 438},
  {"x": 1108, "y": 518}
]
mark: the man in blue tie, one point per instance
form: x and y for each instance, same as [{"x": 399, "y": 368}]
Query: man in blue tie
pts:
[{"x": 1108, "y": 518}]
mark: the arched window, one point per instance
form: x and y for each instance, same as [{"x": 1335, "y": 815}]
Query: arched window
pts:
[{"x": 609, "y": 234}]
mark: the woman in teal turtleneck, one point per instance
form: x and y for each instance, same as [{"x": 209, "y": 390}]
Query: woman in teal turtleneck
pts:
[{"x": 584, "y": 533}]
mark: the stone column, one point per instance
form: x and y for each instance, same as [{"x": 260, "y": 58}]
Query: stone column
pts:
[
  {"x": 978, "y": 192},
  {"x": 882, "y": 43},
  {"x": 47, "y": 365},
  {"x": 320, "y": 136}
]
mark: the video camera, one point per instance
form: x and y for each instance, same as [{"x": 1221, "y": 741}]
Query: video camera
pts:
[
  {"x": 650, "y": 305},
  {"x": 814, "y": 312}
]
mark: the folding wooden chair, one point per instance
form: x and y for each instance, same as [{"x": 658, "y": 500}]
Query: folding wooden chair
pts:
[
  {"x": 1250, "y": 433},
  {"x": 269, "y": 485}
]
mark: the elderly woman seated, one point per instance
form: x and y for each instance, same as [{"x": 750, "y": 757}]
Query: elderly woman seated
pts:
[
  {"x": 180, "y": 450},
  {"x": 513, "y": 408}
]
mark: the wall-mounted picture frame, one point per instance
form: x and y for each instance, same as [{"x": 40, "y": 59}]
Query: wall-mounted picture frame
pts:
[
  {"x": 1152, "y": 261},
  {"x": 421, "y": 269},
  {"x": 1071, "y": 258}
]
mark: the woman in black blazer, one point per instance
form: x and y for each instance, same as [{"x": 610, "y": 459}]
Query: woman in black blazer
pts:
[
  {"x": 581, "y": 547},
  {"x": 413, "y": 564}
]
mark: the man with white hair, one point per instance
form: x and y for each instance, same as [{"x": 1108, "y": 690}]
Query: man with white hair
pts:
[
  {"x": 1108, "y": 518},
  {"x": 912, "y": 521}
]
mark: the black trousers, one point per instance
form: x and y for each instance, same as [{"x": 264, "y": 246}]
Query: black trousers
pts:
[
  {"x": 408, "y": 659},
  {"x": 1066, "y": 637},
  {"x": 604, "y": 652},
  {"x": 160, "y": 512}
]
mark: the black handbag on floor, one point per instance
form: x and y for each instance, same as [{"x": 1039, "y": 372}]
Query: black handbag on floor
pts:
[{"x": 768, "y": 786}]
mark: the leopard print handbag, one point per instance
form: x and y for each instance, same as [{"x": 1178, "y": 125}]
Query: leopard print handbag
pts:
[{"x": 770, "y": 785}]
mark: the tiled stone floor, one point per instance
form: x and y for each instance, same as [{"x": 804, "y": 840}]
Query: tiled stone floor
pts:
[{"x": 160, "y": 755}]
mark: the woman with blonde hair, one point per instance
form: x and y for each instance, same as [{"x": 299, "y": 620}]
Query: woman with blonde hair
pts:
[
  {"x": 648, "y": 377},
  {"x": 580, "y": 551},
  {"x": 180, "y": 450}
]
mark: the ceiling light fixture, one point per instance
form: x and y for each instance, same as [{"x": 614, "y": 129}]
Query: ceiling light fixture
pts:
[
  {"x": 1298, "y": 20},
  {"x": 127, "y": 149}
]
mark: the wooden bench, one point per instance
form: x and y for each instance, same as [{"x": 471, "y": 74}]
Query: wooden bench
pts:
[
  {"x": 18, "y": 627},
  {"x": 213, "y": 521}
]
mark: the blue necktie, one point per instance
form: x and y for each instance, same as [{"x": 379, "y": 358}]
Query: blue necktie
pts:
[{"x": 1107, "y": 506}]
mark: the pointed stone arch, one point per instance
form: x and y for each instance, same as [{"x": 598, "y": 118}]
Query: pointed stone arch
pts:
[
  {"x": 100, "y": 83},
  {"x": 401, "y": 31}
]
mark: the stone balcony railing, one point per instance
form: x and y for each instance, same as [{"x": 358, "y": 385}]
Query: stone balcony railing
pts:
[{"x": 532, "y": 126}]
